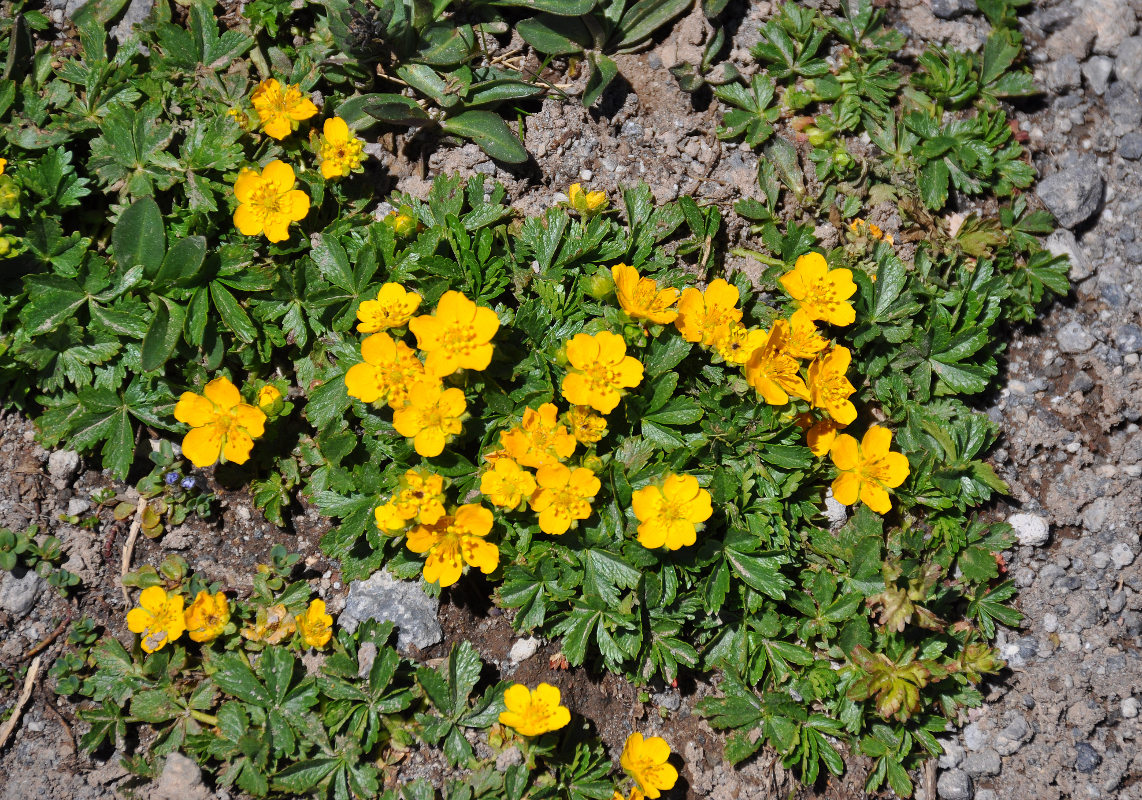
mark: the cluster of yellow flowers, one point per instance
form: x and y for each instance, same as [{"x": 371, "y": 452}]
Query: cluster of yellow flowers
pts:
[
  {"x": 267, "y": 199},
  {"x": 160, "y": 619},
  {"x": 534, "y": 712}
]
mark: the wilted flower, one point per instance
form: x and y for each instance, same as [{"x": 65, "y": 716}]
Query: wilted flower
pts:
[
  {"x": 393, "y": 308},
  {"x": 457, "y": 335},
  {"x": 455, "y": 541},
  {"x": 646, "y": 761},
  {"x": 315, "y": 626},
  {"x": 389, "y": 369},
  {"x": 586, "y": 426},
  {"x": 641, "y": 298},
  {"x": 431, "y": 416},
  {"x": 222, "y": 424},
  {"x": 669, "y": 513},
  {"x": 340, "y": 150},
  {"x": 207, "y": 616},
  {"x": 539, "y": 439},
  {"x": 507, "y": 484},
  {"x": 534, "y": 712},
  {"x": 158, "y": 618},
  {"x": 705, "y": 317},
  {"x": 862, "y": 228},
  {"x": 599, "y": 371},
  {"x": 267, "y": 201},
  {"x": 821, "y": 292},
  {"x": 868, "y": 469},
  {"x": 271, "y": 625},
  {"x": 280, "y": 108},
  {"x": 563, "y": 497}
]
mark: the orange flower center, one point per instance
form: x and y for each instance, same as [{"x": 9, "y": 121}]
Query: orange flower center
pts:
[
  {"x": 460, "y": 339},
  {"x": 269, "y": 198},
  {"x": 821, "y": 293}
]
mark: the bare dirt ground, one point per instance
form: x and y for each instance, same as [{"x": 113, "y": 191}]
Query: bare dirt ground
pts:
[{"x": 1062, "y": 721}]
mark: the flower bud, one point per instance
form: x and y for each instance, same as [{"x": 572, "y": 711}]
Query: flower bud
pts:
[
  {"x": 600, "y": 285},
  {"x": 270, "y": 400}
]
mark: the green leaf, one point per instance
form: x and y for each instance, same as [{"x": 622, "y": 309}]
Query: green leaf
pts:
[
  {"x": 555, "y": 36},
  {"x": 488, "y": 130},
  {"x": 665, "y": 354},
  {"x": 565, "y": 8},
  {"x": 139, "y": 237},
  {"x": 642, "y": 19},
  {"x": 182, "y": 262},
  {"x": 163, "y": 335},
  {"x": 233, "y": 315},
  {"x": 603, "y": 71}
]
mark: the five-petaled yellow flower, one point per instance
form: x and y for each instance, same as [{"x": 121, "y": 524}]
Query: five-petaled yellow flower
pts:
[
  {"x": 563, "y": 497},
  {"x": 599, "y": 371},
  {"x": 458, "y": 335},
  {"x": 804, "y": 341},
  {"x": 669, "y": 513},
  {"x": 588, "y": 204},
  {"x": 773, "y": 373},
  {"x": 534, "y": 712},
  {"x": 646, "y": 761},
  {"x": 340, "y": 149},
  {"x": 829, "y": 388},
  {"x": 315, "y": 626},
  {"x": 389, "y": 369},
  {"x": 455, "y": 541},
  {"x": 868, "y": 469},
  {"x": 393, "y": 308},
  {"x": 158, "y": 618},
  {"x": 641, "y": 298},
  {"x": 432, "y": 415},
  {"x": 420, "y": 498},
  {"x": 823, "y": 293},
  {"x": 221, "y": 424},
  {"x": 705, "y": 317},
  {"x": 280, "y": 108},
  {"x": 267, "y": 201},
  {"x": 586, "y": 426},
  {"x": 539, "y": 439},
  {"x": 739, "y": 343},
  {"x": 207, "y": 616},
  {"x": 507, "y": 484}
]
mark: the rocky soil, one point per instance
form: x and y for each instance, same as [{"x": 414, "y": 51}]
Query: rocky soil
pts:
[{"x": 1063, "y": 721}]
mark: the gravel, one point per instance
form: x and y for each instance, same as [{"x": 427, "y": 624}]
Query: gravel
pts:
[
  {"x": 181, "y": 779},
  {"x": 1097, "y": 72},
  {"x": 62, "y": 467},
  {"x": 1074, "y": 337},
  {"x": 1087, "y": 758},
  {"x": 1031, "y": 530},
  {"x": 383, "y": 597},
  {"x": 1122, "y": 555},
  {"x": 1073, "y": 194},
  {"x": 985, "y": 762},
  {"x": 955, "y": 784},
  {"x": 523, "y": 649},
  {"x": 18, "y": 594},
  {"x": 950, "y": 9},
  {"x": 1129, "y": 708},
  {"x": 1128, "y": 62},
  {"x": 1063, "y": 243}
]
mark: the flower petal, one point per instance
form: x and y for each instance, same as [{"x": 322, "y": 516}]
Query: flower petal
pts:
[
  {"x": 195, "y": 410},
  {"x": 280, "y": 174},
  {"x": 203, "y": 445}
]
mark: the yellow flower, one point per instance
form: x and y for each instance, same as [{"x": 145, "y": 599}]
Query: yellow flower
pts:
[
  {"x": 340, "y": 150},
  {"x": 267, "y": 201},
  {"x": 738, "y": 343},
  {"x": 705, "y": 317},
  {"x": 393, "y": 308},
  {"x": 635, "y": 794},
  {"x": 270, "y": 400},
  {"x": 431, "y": 416},
  {"x": 599, "y": 371},
  {"x": 563, "y": 496},
  {"x": 4, "y": 164},
  {"x": 507, "y": 484},
  {"x": 804, "y": 341},
  {"x": 822, "y": 292},
  {"x": 669, "y": 513},
  {"x": 401, "y": 221},
  {"x": 821, "y": 435},
  {"x": 867, "y": 470},
  {"x": 280, "y": 109},
  {"x": 420, "y": 498},
  {"x": 539, "y": 439},
  {"x": 454, "y": 541},
  {"x": 829, "y": 388},
  {"x": 532, "y": 713},
  {"x": 158, "y": 617},
  {"x": 222, "y": 424},
  {"x": 773, "y": 373},
  {"x": 207, "y": 616},
  {"x": 389, "y": 369},
  {"x": 586, "y": 426},
  {"x": 641, "y": 297},
  {"x": 588, "y": 204},
  {"x": 646, "y": 761},
  {"x": 272, "y": 625},
  {"x": 457, "y": 335},
  {"x": 315, "y": 626}
]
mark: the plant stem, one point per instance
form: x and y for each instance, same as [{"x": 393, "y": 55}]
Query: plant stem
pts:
[{"x": 758, "y": 256}]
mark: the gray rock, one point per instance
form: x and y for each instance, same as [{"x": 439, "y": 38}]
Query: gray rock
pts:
[
  {"x": 1116, "y": 603},
  {"x": 137, "y": 11},
  {"x": 1073, "y": 194},
  {"x": 1050, "y": 622},
  {"x": 985, "y": 762},
  {"x": 1096, "y": 514},
  {"x": 1124, "y": 106},
  {"x": 181, "y": 780},
  {"x": 1128, "y": 338},
  {"x": 986, "y": 794},
  {"x": 954, "y": 785},
  {"x": 523, "y": 649},
  {"x": 383, "y": 597},
  {"x": 1122, "y": 555},
  {"x": 1012, "y": 737},
  {"x": 1074, "y": 337},
  {"x": 77, "y": 506},
  {"x": 1052, "y": 18},
  {"x": 1130, "y": 146},
  {"x": 1113, "y": 21},
  {"x": 1030, "y": 529},
  {"x": 1076, "y": 38},
  {"x": 18, "y": 594},
  {"x": 1129, "y": 708},
  {"x": 975, "y": 737},
  {"x": 1087, "y": 758},
  {"x": 1063, "y": 243},
  {"x": 1097, "y": 71},
  {"x": 1128, "y": 63},
  {"x": 953, "y": 753},
  {"x": 950, "y": 9},
  {"x": 670, "y": 700},
  {"x": 836, "y": 513},
  {"x": 1063, "y": 74},
  {"x": 512, "y": 757},
  {"x": 62, "y": 466}
]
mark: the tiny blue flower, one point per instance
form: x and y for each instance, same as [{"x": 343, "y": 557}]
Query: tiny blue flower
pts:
[
  {"x": 171, "y": 478},
  {"x": 188, "y": 483}
]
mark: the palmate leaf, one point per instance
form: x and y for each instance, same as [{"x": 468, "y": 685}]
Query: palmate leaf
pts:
[{"x": 131, "y": 150}]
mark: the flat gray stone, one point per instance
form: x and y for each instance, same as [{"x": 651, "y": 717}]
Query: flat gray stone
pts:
[
  {"x": 1074, "y": 337},
  {"x": 404, "y": 603},
  {"x": 1113, "y": 21},
  {"x": 181, "y": 779},
  {"x": 62, "y": 467},
  {"x": 1030, "y": 529},
  {"x": 955, "y": 784},
  {"x": 18, "y": 594},
  {"x": 1128, "y": 63},
  {"x": 1063, "y": 74},
  {"x": 985, "y": 762},
  {"x": 1128, "y": 338},
  {"x": 1063, "y": 243},
  {"x": 950, "y": 9},
  {"x": 1097, "y": 71},
  {"x": 1087, "y": 758},
  {"x": 1073, "y": 194},
  {"x": 1130, "y": 146},
  {"x": 1122, "y": 555}
]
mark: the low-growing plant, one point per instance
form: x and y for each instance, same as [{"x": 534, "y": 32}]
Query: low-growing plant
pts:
[{"x": 22, "y": 550}]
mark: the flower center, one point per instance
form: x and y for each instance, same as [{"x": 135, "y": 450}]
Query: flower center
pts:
[
  {"x": 460, "y": 339},
  {"x": 821, "y": 293},
  {"x": 268, "y": 198}
]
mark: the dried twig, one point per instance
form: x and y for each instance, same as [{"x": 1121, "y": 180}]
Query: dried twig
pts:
[
  {"x": 17, "y": 710},
  {"x": 51, "y": 637},
  {"x": 129, "y": 547},
  {"x": 63, "y": 722},
  {"x": 930, "y": 778}
]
